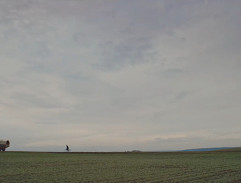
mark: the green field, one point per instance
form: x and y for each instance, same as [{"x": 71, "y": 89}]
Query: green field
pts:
[{"x": 120, "y": 167}]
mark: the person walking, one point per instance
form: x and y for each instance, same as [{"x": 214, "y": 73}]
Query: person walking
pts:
[{"x": 67, "y": 148}]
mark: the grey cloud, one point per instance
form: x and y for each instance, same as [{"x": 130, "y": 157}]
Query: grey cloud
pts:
[
  {"x": 31, "y": 100},
  {"x": 119, "y": 73},
  {"x": 181, "y": 96},
  {"x": 128, "y": 52}
]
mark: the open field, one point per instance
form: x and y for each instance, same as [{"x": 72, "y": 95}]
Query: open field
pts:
[{"x": 120, "y": 167}]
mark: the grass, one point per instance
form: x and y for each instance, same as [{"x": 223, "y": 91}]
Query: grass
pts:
[{"x": 120, "y": 167}]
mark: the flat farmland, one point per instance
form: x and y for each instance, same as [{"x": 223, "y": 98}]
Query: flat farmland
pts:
[{"x": 223, "y": 166}]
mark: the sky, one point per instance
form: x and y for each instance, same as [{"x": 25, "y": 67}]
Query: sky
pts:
[{"x": 119, "y": 75}]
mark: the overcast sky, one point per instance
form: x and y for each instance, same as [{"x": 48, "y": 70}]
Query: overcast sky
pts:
[{"x": 117, "y": 75}]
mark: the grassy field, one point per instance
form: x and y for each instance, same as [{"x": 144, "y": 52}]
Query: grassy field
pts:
[{"x": 120, "y": 167}]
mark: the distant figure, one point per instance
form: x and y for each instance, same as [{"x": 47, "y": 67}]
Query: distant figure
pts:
[{"x": 67, "y": 148}]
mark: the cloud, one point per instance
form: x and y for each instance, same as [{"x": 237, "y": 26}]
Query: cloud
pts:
[{"x": 110, "y": 75}]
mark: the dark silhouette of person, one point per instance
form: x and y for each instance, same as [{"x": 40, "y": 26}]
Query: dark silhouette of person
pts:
[{"x": 67, "y": 148}]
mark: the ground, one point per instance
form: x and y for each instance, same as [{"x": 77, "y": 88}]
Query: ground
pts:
[{"x": 223, "y": 166}]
